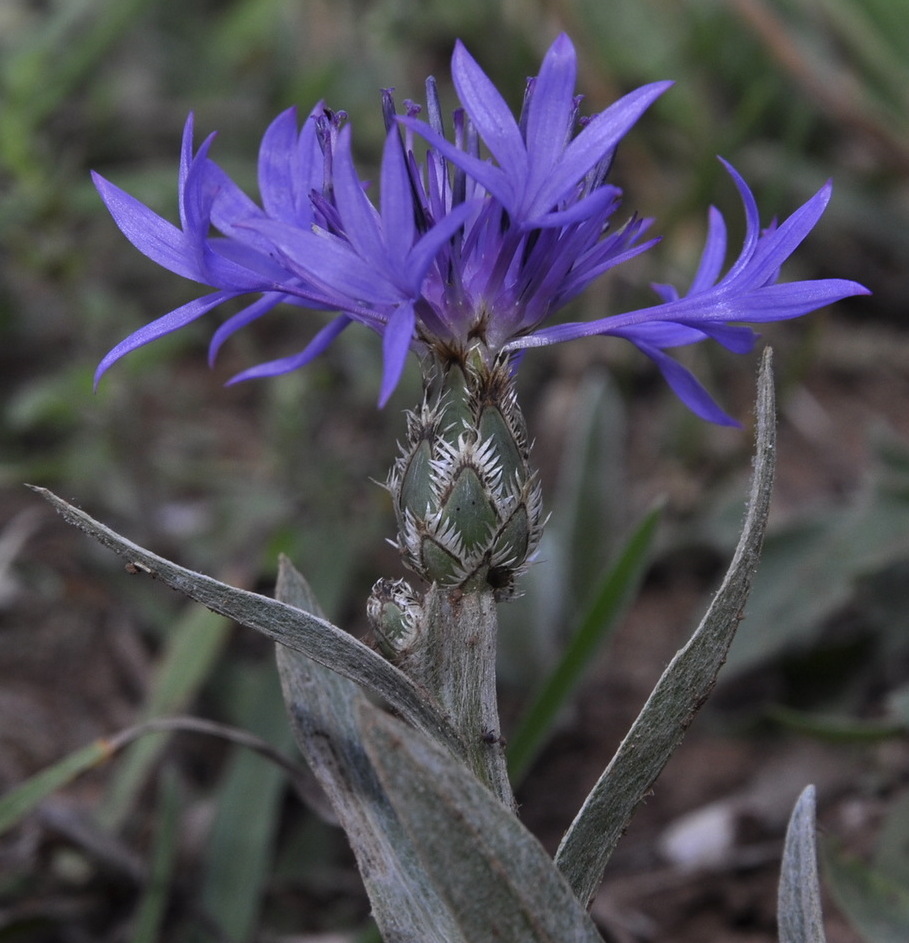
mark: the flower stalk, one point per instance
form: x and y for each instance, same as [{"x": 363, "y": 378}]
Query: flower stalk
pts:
[{"x": 469, "y": 515}]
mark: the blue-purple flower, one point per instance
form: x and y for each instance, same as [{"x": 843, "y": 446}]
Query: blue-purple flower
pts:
[{"x": 462, "y": 255}]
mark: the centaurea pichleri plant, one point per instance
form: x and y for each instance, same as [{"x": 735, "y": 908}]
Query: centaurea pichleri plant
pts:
[{"x": 480, "y": 231}]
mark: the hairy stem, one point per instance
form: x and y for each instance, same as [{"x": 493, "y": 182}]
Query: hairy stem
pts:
[{"x": 457, "y": 663}]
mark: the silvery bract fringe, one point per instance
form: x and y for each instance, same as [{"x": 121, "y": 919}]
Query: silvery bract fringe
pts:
[{"x": 468, "y": 505}]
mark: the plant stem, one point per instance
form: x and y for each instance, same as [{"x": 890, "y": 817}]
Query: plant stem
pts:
[{"x": 457, "y": 663}]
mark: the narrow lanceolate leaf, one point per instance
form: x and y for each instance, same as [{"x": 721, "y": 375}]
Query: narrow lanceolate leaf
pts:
[
  {"x": 325, "y": 711},
  {"x": 682, "y": 689},
  {"x": 443, "y": 859},
  {"x": 491, "y": 872},
  {"x": 298, "y": 630},
  {"x": 800, "y": 919}
]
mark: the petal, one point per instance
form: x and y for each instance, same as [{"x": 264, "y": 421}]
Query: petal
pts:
[
  {"x": 429, "y": 245},
  {"x": 775, "y": 247},
  {"x": 492, "y": 178},
  {"x": 490, "y": 114},
  {"x": 752, "y": 221},
  {"x": 579, "y": 279},
  {"x": 713, "y": 255},
  {"x": 398, "y": 226},
  {"x": 324, "y": 260},
  {"x": 602, "y": 202},
  {"x": 313, "y": 349},
  {"x": 790, "y": 299},
  {"x": 231, "y": 206},
  {"x": 688, "y": 389},
  {"x": 153, "y": 236},
  {"x": 195, "y": 197},
  {"x": 186, "y": 159},
  {"x": 166, "y": 324},
  {"x": 310, "y": 172},
  {"x": 239, "y": 320},
  {"x": 358, "y": 215},
  {"x": 277, "y": 166},
  {"x": 396, "y": 342},
  {"x": 550, "y": 110},
  {"x": 738, "y": 338},
  {"x": 596, "y": 141}
]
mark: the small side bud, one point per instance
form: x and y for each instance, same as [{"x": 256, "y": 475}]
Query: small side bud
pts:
[{"x": 395, "y": 616}]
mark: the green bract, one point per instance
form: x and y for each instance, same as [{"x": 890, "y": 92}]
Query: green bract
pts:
[{"x": 468, "y": 505}]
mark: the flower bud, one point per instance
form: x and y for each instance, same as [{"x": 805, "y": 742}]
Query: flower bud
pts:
[
  {"x": 468, "y": 505},
  {"x": 395, "y": 616}
]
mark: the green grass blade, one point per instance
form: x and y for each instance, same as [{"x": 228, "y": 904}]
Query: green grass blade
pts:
[
  {"x": 615, "y": 592},
  {"x": 193, "y": 647},
  {"x": 164, "y": 856},
  {"x": 242, "y": 839},
  {"x": 22, "y": 799}
]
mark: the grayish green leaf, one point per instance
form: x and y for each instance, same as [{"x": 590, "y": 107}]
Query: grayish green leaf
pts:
[
  {"x": 442, "y": 858},
  {"x": 492, "y": 873},
  {"x": 326, "y": 711},
  {"x": 682, "y": 689},
  {"x": 799, "y": 903},
  {"x": 294, "y": 628},
  {"x": 27, "y": 796}
]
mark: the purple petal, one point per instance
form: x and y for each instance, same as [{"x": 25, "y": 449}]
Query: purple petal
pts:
[
  {"x": 186, "y": 159},
  {"x": 233, "y": 324},
  {"x": 738, "y": 338},
  {"x": 231, "y": 206},
  {"x": 667, "y": 293},
  {"x": 325, "y": 260},
  {"x": 490, "y": 177},
  {"x": 398, "y": 224},
  {"x": 361, "y": 222},
  {"x": 489, "y": 112},
  {"x": 160, "y": 327},
  {"x": 395, "y": 346},
  {"x": 153, "y": 236},
  {"x": 578, "y": 280},
  {"x": 774, "y": 248},
  {"x": 752, "y": 221},
  {"x": 277, "y": 166},
  {"x": 429, "y": 244},
  {"x": 713, "y": 255},
  {"x": 661, "y": 334},
  {"x": 595, "y": 142},
  {"x": 313, "y": 349},
  {"x": 688, "y": 388},
  {"x": 550, "y": 110},
  {"x": 792, "y": 299},
  {"x": 597, "y": 204}
]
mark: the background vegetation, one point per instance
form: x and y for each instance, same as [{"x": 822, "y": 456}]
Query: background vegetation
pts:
[{"x": 792, "y": 92}]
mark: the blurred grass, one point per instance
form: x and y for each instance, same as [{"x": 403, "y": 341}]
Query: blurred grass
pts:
[{"x": 791, "y": 91}]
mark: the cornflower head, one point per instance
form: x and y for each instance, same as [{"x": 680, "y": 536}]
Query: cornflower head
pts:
[
  {"x": 465, "y": 256},
  {"x": 463, "y": 259}
]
